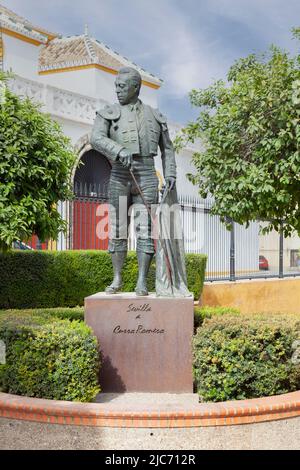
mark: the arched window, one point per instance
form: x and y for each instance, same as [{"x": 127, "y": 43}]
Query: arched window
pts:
[
  {"x": 92, "y": 176},
  {"x": 90, "y": 209}
]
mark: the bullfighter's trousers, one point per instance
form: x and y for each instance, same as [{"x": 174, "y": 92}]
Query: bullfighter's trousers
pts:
[{"x": 124, "y": 195}]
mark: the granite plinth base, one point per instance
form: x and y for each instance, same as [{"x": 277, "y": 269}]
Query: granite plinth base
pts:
[{"x": 145, "y": 342}]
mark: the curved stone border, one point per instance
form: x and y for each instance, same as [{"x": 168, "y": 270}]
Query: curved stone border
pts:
[{"x": 97, "y": 414}]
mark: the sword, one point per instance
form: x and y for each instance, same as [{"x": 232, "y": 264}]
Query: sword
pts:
[{"x": 167, "y": 260}]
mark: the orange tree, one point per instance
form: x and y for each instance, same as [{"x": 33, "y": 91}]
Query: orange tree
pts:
[
  {"x": 36, "y": 160},
  {"x": 249, "y": 128}
]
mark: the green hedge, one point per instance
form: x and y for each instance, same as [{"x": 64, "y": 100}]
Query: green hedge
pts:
[
  {"x": 48, "y": 358},
  {"x": 33, "y": 279},
  {"x": 46, "y": 314},
  {"x": 201, "y": 313},
  {"x": 239, "y": 357},
  {"x": 77, "y": 313}
]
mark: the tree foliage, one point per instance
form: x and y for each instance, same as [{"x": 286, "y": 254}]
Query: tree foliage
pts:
[
  {"x": 36, "y": 160},
  {"x": 249, "y": 128}
]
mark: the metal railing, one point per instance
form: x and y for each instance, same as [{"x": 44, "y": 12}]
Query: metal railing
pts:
[{"x": 239, "y": 253}]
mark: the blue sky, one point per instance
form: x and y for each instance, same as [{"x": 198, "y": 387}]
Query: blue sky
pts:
[{"x": 187, "y": 43}]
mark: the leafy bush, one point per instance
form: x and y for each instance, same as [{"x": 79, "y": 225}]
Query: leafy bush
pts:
[
  {"x": 249, "y": 127},
  {"x": 46, "y": 314},
  {"x": 200, "y": 313},
  {"x": 239, "y": 357},
  {"x": 34, "y": 279},
  {"x": 48, "y": 358},
  {"x": 76, "y": 313},
  {"x": 36, "y": 161}
]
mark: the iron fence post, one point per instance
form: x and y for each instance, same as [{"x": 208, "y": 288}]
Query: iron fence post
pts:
[
  {"x": 232, "y": 252},
  {"x": 281, "y": 251}
]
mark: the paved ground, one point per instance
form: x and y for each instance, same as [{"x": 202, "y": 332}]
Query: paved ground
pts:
[{"x": 282, "y": 434}]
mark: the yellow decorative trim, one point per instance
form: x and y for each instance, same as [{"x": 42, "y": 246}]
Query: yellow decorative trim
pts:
[
  {"x": 66, "y": 69},
  {"x": 226, "y": 273},
  {"x": 91, "y": 66},
  {"x": 48, "y": 35},
  {"x": 151, "y": 85},
  {"x": 14, "y": 34}
]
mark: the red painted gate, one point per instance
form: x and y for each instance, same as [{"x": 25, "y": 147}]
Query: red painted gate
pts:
[{"x": 90, "y": 225}]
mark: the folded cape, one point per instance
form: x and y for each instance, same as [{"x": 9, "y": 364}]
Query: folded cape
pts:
[{"x": 171, "y": 280}]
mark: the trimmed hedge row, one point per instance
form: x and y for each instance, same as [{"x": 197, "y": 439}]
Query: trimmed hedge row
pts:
[
  {"x": 201, "y": 313},
  {"x": 65, "y": 313},
  {"x": 48, "y": 358},
  {"x": 77, "y": 313},
  {"x": 51, "y": 353},
  {"x": 240, "y": 357},
  {"x": 33, "y": 279}
]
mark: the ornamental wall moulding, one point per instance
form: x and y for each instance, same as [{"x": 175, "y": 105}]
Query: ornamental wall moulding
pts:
[
  {"x": 72, "y": 105},
  {"x": 69, "y": 105},
  {"x": 27, "y": 88},
  {"x": 61, "y": 103}
]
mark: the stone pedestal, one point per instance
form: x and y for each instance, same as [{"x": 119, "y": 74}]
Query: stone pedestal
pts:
[{"x": 145, "y": 342}]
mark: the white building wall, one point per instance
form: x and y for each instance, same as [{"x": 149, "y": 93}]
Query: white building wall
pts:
[
  {"x": 75, "y": 131},
  {"x": 94, "y": 83},
  {"x": 21, "y": 57},
  {"x": 77, "y": 81},
  {"x": 246, "y": 248},
  {"x": 269, "y": 247},
  {"x": 105, "y": 89},
  {"x": 105, "y": 86},
  {"x": 149, "y": 96},
  {"x": 184, "y": 166},
  {"x": 217, "y": 247}
]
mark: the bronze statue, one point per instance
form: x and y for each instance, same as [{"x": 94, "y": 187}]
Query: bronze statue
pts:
[{"x": 129, "y": 134}]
